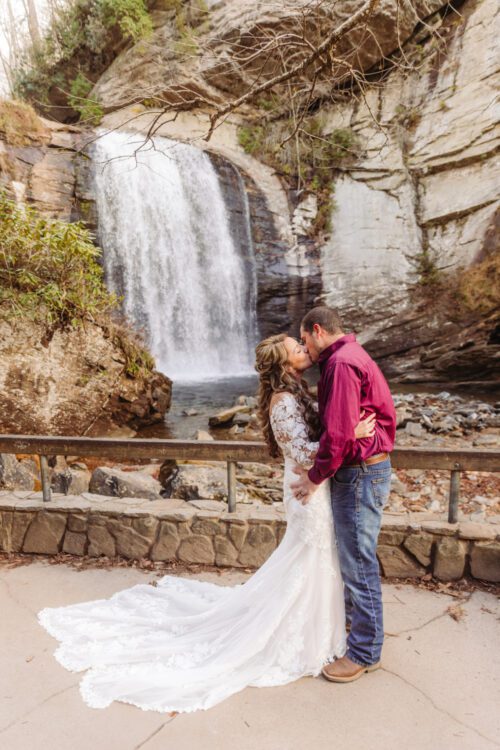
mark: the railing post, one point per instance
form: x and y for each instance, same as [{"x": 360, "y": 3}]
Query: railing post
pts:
[
  {"x": 231, "y": 486},
  {"x": 44, "y": 474},
  {"x": 454, "y": 496}
]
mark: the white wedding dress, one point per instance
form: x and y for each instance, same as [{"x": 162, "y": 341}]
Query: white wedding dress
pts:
[{"x": 184, "y": 645}]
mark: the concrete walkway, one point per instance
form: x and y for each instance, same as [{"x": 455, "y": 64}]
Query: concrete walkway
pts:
[{"x": 439, "y": 687}]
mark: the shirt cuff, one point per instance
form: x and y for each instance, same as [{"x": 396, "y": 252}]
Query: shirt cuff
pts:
[{"x": 315, "y": 476}]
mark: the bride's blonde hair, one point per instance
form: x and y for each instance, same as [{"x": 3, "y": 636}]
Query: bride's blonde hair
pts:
[{"x": 271, "y": 359}]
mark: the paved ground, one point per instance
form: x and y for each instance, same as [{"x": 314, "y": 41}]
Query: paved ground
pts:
[{"x": 439, "y": 687}]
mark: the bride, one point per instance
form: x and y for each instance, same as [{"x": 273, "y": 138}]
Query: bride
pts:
[{"x": 183, "y": 644}]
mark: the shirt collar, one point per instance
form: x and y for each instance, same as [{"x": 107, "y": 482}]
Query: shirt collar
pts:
[{"x": 327, "y": 353}]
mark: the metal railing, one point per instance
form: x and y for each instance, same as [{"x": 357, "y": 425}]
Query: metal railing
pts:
[{"x": 232, "y": 452}]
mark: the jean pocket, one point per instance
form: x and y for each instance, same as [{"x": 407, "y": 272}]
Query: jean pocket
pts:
[
  {"x": 345, "y": 477},
  {"x": 381, "y": 487}
]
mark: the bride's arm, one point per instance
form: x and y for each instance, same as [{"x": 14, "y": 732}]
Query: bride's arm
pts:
[{"x": 290, "y": 430}]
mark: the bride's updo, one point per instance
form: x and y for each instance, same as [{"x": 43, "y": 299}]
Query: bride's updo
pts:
[{"x": 271, "y": 359}]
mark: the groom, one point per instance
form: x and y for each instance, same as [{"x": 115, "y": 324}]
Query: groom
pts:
[{"x": 360, "y": 472}]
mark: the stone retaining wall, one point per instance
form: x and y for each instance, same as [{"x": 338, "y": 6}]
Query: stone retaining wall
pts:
[{"x": 410, "y": 545}]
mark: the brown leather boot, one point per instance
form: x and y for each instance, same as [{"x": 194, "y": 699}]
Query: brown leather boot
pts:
[{"x": 346, "y": 670}]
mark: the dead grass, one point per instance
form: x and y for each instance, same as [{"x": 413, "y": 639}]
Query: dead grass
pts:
[
  {"x": 20, "y": 125},
  {"x": 478, "y": 287}
]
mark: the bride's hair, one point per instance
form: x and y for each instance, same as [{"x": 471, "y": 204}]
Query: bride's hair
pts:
[{"x": 271, "y": 358}]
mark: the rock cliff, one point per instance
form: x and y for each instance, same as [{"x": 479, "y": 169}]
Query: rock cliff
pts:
[
  {"x": 422, "y": 194},
  {"x": 64, "y": 380},
  {"x": 419, "y": 203}
]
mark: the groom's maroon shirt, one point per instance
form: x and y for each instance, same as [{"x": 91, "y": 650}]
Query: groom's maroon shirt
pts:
[{"x": 350, "y": 382}]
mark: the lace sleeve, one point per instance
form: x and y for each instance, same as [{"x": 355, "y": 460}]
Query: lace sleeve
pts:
[{"x": 290, "y": 431}]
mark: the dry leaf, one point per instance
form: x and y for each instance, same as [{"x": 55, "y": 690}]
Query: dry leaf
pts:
[{"x": 457, "y": 612}]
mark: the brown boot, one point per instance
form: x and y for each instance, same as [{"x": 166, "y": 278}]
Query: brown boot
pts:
[{"x": 345, "y": 670}]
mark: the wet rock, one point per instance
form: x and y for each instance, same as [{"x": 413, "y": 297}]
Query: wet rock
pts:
[{"x": 225, "y": 418}]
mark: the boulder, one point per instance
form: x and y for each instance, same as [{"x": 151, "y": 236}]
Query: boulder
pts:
[
  {"x": 226, "y": 417},
  {"x": 70, "y": 481},
  {"x": 117, "y": 483},
  {"x": 192, "y": 482},
  {"x": 14, "y": 474}
]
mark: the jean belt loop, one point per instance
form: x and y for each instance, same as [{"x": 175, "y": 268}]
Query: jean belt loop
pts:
[{"x": 364, "y": 467}]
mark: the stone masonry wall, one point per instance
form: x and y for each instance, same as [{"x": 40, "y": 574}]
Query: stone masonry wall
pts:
[{"x": 410, "y": 545}]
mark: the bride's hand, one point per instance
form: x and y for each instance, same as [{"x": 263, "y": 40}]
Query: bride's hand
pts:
[{"x": 365, "y": 427}]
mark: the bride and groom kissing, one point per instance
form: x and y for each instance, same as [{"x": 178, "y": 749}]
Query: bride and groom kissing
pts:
[{"x": 315, "y": 606}]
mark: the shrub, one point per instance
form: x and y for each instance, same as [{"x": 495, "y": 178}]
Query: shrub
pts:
[
  {"x": 89, "y": 109},
  {"x": 85, "y": 36},
  {"x": 49, "y": 269},
  {"x": 478, "y": 287}
]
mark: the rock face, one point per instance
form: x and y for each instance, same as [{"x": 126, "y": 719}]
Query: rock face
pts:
[
  {"x": 396, "y": 206},
  {"x": 400, "y": 201},
  {"x": 424, "y": 189},
  {"x": 42, "y": 169},
  {"x": 74, "y": 384}
]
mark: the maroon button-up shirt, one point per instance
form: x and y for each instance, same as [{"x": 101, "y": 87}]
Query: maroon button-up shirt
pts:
[{"x": 350, "y": 381}]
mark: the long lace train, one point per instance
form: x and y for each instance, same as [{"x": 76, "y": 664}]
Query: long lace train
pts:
[{"x": 184, "y": 645}]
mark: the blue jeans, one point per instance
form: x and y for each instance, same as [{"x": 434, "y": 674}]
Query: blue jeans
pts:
[{"x": 358, "y": 498}]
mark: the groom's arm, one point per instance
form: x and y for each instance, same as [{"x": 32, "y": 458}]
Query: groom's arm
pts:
[{"x": 340, "y": 417}]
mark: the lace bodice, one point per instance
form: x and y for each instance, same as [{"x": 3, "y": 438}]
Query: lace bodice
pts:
[{"x": 290, "y": 431}]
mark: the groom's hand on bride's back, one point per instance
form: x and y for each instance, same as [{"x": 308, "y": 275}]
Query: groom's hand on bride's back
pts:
[{"x": 303, "y": 487}]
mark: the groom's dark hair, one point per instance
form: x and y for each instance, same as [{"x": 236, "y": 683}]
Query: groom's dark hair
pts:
[{"x": 324, "y": 316}]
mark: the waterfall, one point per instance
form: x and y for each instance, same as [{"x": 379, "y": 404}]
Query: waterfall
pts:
[{"x": 168, "y": 250}]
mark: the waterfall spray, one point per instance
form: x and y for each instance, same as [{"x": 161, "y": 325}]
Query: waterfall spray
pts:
[{"x": 168, "y": 250}]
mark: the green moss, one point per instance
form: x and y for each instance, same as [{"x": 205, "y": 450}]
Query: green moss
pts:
[
  {"x": 407, "y": 117},
  {"x": 429, "y": 275},
  {"x": 138, "y": 360},
  {"x": 307, "y": 160}
]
